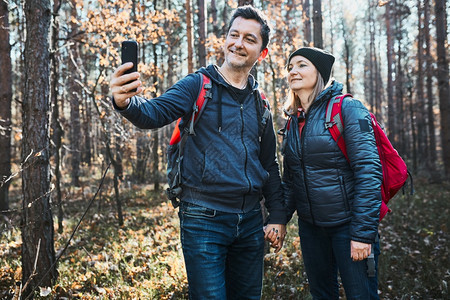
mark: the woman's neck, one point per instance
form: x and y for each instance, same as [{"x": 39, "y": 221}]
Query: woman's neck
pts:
[{"x": 304, "y": 99}]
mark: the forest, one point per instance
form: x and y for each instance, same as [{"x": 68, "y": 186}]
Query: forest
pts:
[{"x": 83, "y": 210}]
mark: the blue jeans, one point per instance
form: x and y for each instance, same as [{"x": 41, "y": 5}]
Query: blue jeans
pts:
[
  {"x": 326, "y": 250},
  {"x": 223, "y": 252}
]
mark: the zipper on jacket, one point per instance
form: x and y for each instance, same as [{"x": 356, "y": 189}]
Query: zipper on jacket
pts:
[
  {"x": 246, "y": 155},
  {"x": 344, "y": 193},
  {"x": 302, "y": 142}
]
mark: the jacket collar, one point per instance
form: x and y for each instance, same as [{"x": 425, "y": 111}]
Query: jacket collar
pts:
[
  {"x": 212, "y": 73},
  {"x": 333, "y": 90}
]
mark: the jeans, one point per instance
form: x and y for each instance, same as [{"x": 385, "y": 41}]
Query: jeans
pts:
[
  {"x": 223, "y": 252},
  {"x": 326, "y": 250}
]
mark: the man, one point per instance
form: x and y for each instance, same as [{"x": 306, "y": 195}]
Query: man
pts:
[{"x": 226, "y": 166}]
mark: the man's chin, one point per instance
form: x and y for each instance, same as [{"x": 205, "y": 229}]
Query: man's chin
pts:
[{"x": 240, "y": 64}]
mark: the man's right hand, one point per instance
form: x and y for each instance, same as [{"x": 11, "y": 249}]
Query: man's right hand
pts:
[{"x": 121, "y": 86}]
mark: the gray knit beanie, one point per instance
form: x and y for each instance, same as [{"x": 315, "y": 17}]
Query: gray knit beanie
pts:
[{"x": 321, "y": 59}]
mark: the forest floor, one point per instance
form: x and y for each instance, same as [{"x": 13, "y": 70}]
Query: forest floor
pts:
[{"x": 143, "y": 259}]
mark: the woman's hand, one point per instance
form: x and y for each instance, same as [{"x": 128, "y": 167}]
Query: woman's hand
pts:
[
  {"x": 275, "y": 233},
  {"x": 359, "y": 251}
]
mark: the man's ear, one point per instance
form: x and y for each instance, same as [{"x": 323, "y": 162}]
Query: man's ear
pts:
[{"x": 263, "y": 54}]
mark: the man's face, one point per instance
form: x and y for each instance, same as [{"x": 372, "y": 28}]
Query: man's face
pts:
[{"x": 243, "y": 44}]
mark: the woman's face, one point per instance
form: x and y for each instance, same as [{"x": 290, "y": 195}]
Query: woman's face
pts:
[{"x": 302, "y": 76}]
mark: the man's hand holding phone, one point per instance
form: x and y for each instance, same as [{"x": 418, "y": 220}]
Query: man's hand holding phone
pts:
[
  {"x": 125, "y": 81},
  {"x": 122, "y": 85}
]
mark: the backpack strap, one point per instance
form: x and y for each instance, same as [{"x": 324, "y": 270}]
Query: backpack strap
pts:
[
  {"x": 287, "y": 125},
  {"x": 265, "y": 114},
  {"x": 334, "y": 122},
  {"x": 180, "y": 138},
  {"x": 203, "y": 96},
  {"x": 284, "y": 131}
]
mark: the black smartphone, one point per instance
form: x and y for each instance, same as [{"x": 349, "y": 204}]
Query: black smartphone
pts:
[{"x": 130, "y": 54}]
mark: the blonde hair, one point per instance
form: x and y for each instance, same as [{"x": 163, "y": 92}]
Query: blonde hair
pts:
[{"x": 293, "y": 102}]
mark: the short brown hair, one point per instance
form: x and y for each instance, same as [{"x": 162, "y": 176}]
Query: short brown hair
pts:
[{"x": 251, "y": 13}]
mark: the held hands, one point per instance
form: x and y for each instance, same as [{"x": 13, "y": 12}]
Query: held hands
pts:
[
  {"x": 359, "y": 251},
  {"x": 121, "y": 85},
  {"x": 275, "y": 233}
]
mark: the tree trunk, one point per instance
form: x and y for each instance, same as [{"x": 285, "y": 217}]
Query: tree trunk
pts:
[
  {"x": 118, "y": 176},
  {"x": 379, "y": 87},
  {"x": 317, "y": 21},
  {"x": 201, "y": 33},
  {"x": 245, "y": 2},
  {"x": 189, "y": 36},
  {"x": 431, "y": 159},
  {"x": 56, "y": 126},
  {"x": 370, "y": 61},
  {"x": 348, "y": 67},
  {"x": 443, "y": 77},
  {"x": 74, "y": 98},
  {"x": 420, "y": 102},
  {"x": 401, "y": 142},
  {"x": 347, "y": 55},
  {"x": 142, "y": 139},
  {"x": 213, "y": 9},
  {"x": 330, "y": 7},
  {"x": 142, "y": 155},
  {"x": 155, "y": 158},
  {"x": 89, "y": 134},
  {"x": 5, "y": 104},
  {"x": 390, "y": 88},
  {"x": 37, "y": 222},
  {"x": 413, "y": 127},
  {"x": 306, "y": 16},
  {"x": 225, "y": 22},
  {"x": 399, "y": 85}
]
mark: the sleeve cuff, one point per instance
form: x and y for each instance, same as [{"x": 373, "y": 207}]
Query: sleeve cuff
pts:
[
  {"x": 366, "y": 241},
  {"x": 118, "y": 108},
  {"x": 277, "y": 217}
]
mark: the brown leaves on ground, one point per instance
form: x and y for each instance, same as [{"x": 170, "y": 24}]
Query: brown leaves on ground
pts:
[{"x": 143, "y": 258}]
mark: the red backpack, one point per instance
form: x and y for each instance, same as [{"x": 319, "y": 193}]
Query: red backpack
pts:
[{"x": 394, "y": 168}]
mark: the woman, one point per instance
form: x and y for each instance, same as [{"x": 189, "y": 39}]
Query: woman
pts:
[{"x": 337, "y": 200}]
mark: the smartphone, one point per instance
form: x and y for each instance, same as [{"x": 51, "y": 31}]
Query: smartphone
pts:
[{"x": 130, "y": 54}]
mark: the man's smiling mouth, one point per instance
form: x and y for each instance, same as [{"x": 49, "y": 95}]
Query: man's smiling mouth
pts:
[{"x": 238, "y": 53}]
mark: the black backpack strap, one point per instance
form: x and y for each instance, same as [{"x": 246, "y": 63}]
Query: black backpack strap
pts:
[
  {"x": 283, "y": 131},
  {"x": 264, "y": 116}
]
